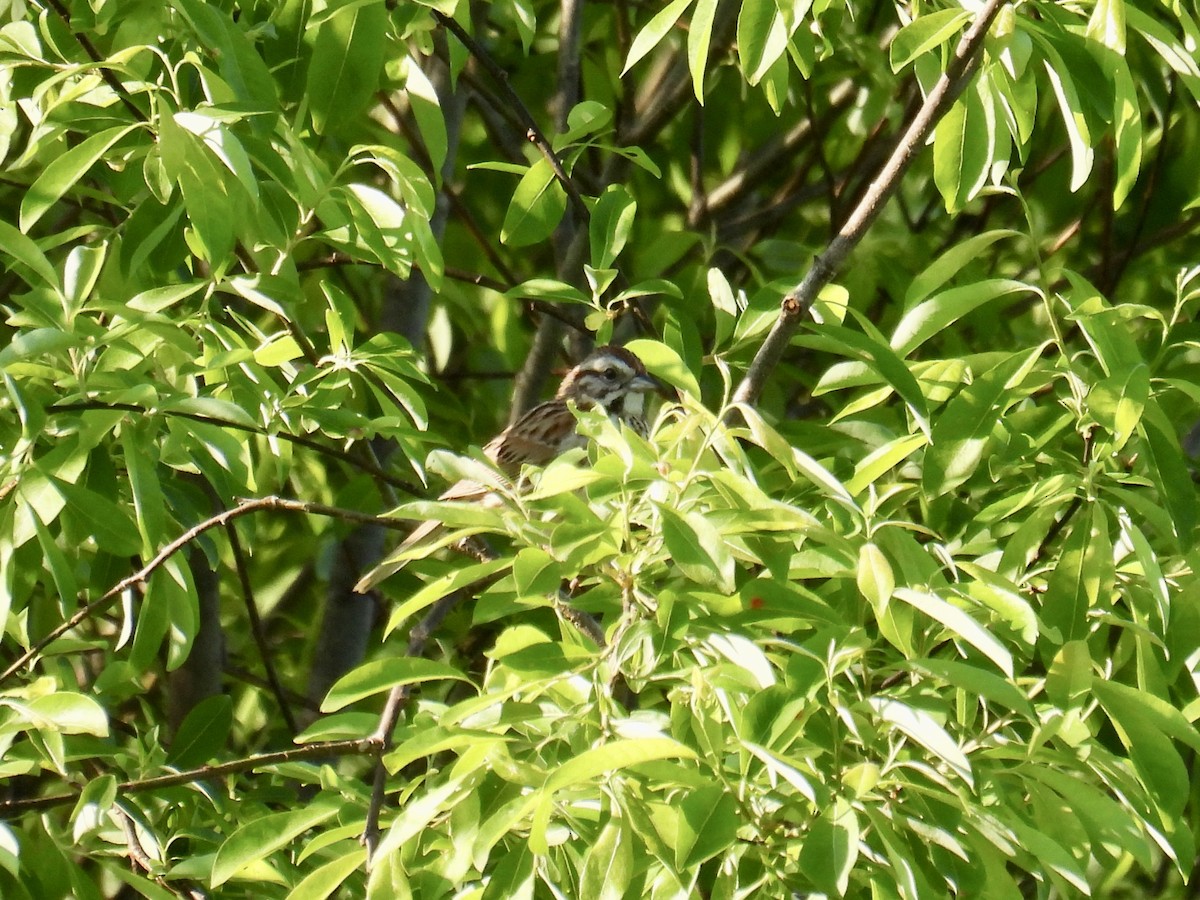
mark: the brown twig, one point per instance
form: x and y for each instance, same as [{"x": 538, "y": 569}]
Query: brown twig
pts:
[
  {"x": 256, "y": 628},
  {"x": 1147, "y": 195},
  {"x": 245, "y": 507},
  {"x": 89, "y": 48},
  {"x": 353, "y": 747},
  {"x": 371, "y": 467},
  {"x": 799, "y": 300},
  {"x": 532, "y": 132},
  {"x": 397, "y": 698}
]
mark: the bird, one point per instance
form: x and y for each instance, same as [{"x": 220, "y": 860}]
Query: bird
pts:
[{"x": 610, "y": 378}]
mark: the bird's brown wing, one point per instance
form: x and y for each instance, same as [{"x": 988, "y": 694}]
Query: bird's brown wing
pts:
[{"x": 536, "y": 438}]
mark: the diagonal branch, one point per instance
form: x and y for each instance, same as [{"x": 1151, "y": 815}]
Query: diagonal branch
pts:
[
  {"x": 243, "y": 508},
  {"x": 799, "y": 300},
  {"x": 532, "y": 132}
]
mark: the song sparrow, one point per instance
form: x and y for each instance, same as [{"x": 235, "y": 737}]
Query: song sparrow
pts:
[{"x": 610, "y": 378}]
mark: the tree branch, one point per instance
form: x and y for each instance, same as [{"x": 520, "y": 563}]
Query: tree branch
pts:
[
  {"x": 532, "y": 132},
  {"x": 397, "y": 698},
  {"x": 367, "y": 465},
  {"x": 243, "y": 508},
  {"x": 89, "y": 48},
  {"x": 256, "y": 628},
  {"x": 353, "y": 747},
  {"x": 799, "y": 300}
]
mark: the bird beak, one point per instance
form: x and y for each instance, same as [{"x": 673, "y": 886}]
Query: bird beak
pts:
[{"x": 645, "y": 384}]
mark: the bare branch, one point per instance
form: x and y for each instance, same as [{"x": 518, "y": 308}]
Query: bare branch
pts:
[
  {"x": 355, "y": 747},
  {"x": 396, "y": 701},
  {"x": 256, "y": 628},
  {"x": 532, "y": 132},
  {"x": 800, "y": 299},
  {"x": 359, "y": 461},
  {"x": 245, "y": 507}
]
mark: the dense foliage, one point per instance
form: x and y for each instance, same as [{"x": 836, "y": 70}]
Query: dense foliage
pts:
[{"x": 897, "y": 598}]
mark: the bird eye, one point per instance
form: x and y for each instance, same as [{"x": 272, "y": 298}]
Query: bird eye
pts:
[{"x": 609, "y": 374}]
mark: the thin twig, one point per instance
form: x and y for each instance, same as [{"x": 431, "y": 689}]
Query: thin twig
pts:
[
  {"x": 256, "y": 628},
  {"x": 396, "y": 701},
  {"x": 353, "y": 747},
  {"x": 89, "y": 48},
  {"x": 244, "y": 507},
  {"x": 367, "y": 465},
  {"x": 1147, "y": 195},
  {"x": 799, "y": 300},
  {"x": 532, "y": 132}
]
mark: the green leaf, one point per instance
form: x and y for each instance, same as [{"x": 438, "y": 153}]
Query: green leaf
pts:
[
  {"x": 978, "y": 682},
  {"x": 883, "y": 459},
  {"x": 1078, "y": 135},
  {"x": 697, "y": 548},
  {"x": 950, "y": 264},
  {"x": 63, "y": 171},
  {"x": 280, "y": 349},
  {"x": 1083, "y": 574},
  {"x": 708, "y": 825},
  {"x": 210, "y": 208},
  {"x": 594, "y": 762},
  {"x": 36, "y": 343},
  {"x": 536, "y": 209},
  {"x": 1141, "y": 729},
  {"x": 56, "y": 560},
  {"x": 761, "y": 38},
  {"x": 610, "y": 225},
  {"x": 137, "y": 439},
  {"x": 960, "y": 623},
  {"x": 962, "y": 431},
  {"x": 938, "y": 313},
  {"x": 323, "y": 881},
  {"x": 665, "y": 363},
  {"x": 1127, "y": 128},
  {"x": 1069, "y": 680},
  {"x": 536, "y": 572},
  {"x": 220, "y": 411},
  {"x": 418, "y": 812},
  {"x": 924, "y": 729},
  {"x": 924, "y": 33},
  {"x": 154, "y": 300},
  {"x": 261, "y": 837},
  {"x": 879, "y": 357},
  {"x": 109, "y": 524},
  {"x": 438, "y": 588},
  {"x": 514, "y": 876},
  {"x": 383, "y": 675},
  {"x": 1118, "y": 402},
  {"x": 608, "y": 864},
  {"x": 203, "y": 733},
  {"x": 428, "y": 742},
  {"x": 20, "y": 248},
  {"x": 963, "y": 148},
  {"x": 69, "y": 713},
  {"x": 656, "y": 29},
  {"x": 1107, "y": 24},
  {"x": 1168, "y": 471},
  {"x": 876, "y": 581},
  {"x": 427, "y": 110},
  {"x": 830, "y": 850},
  {"x": 346, "y": 64},
  {"x": 699, "y": 36},
  {"x": 1140, "y": 706}
]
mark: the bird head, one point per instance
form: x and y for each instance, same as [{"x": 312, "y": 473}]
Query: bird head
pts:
[{"x": 611, "y": 378}]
